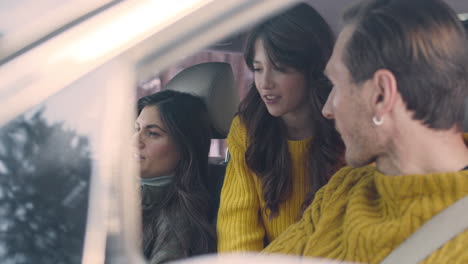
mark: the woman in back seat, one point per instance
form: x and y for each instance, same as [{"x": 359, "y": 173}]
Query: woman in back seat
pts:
[
  {"x": 282, "y": 148},
  {"x": 172, "y": 141}
]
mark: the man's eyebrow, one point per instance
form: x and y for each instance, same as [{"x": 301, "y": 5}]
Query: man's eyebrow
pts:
[{"x": 155, "y": 126}]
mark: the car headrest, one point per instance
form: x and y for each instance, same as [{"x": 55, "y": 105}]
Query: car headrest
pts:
[{"x": 214, "y": 82}]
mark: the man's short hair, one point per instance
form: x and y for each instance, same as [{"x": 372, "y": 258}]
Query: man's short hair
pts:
[{"x": 423, "y": 43}]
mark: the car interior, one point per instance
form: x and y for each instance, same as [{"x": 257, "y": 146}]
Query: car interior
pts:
[
  {"x": 83, "y": 102},
  {"x": 214, "y": 82}
]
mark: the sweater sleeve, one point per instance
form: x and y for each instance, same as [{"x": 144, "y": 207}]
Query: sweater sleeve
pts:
[
  {"x": 239, "y": 226},
  {"x": 294, "y": 238}
]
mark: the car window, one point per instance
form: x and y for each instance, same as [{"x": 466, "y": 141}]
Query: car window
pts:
[
  {"x": 24, "y": 22},
  {"x": 47, "y": 159},
  {"x": 52, "y": 155}
]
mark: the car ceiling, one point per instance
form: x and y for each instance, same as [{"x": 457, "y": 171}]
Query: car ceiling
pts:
[{"x": 330, "y": 10}]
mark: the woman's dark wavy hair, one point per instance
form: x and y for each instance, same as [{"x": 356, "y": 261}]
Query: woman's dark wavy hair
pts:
[
  {"x": 299, "y": 38},
  {"x": 186, "y": 118}
]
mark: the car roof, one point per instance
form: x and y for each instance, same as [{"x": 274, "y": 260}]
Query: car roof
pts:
[
  {"x": 331, "y": 11},
  {"x": 24, "y": 23}
]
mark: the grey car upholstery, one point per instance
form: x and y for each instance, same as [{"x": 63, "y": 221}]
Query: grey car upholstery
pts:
[{"x": 214, "y": 82}]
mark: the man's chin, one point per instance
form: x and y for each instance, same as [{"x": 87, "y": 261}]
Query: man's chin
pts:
[{"x": 357, "y": 163}]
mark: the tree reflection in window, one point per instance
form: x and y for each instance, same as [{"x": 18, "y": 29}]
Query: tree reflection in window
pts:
[{"x": 44, "y": 183}]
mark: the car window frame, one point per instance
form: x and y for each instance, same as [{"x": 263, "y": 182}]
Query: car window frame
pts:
[{"x": 113, "y": 207}]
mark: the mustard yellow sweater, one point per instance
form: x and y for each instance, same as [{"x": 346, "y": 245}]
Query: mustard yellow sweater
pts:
[
  {"x": 362, "y": 215},
  {"x": 242, "y": 224}
]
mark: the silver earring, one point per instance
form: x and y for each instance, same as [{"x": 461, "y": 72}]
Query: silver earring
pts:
[{"x": 377, "y": 122}]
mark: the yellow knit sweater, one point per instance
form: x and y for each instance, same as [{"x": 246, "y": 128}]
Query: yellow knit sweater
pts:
[
  {"x": 242, "y": 224},
  {"x": 362, "y": 215}
]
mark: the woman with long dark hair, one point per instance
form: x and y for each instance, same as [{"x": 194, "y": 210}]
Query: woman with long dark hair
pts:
[
  {"x": 282, "y": 148},
  {"x": 172, "y": 141}
]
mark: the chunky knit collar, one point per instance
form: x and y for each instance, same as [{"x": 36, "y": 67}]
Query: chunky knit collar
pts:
[
  {"x": 409, "y": 186},
  {"x": 441, "y": 189}
]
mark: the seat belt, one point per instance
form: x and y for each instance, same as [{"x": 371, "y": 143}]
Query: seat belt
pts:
[{"x": 432, "y": 235}]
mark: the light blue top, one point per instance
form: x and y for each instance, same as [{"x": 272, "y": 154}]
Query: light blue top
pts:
[{"x": 160, "y": 181}]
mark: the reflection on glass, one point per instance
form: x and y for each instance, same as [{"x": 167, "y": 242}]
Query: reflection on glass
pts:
[
  {"x": 44, "y": 182},
  {"x": 48, "y": 156}
]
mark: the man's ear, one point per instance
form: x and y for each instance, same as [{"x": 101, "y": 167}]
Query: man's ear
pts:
[{"x": 385, "y": 92}]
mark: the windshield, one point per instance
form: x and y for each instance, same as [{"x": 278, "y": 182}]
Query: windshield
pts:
[{"x": 23, "y": 22}]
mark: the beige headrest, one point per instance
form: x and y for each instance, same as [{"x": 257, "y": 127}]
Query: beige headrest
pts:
[{"x": 214, "y": 82}]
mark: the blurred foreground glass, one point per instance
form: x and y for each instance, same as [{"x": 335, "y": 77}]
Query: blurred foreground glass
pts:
[
  {"x": 46, "y": 163},
  {"x": 255, "y": 258}
]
